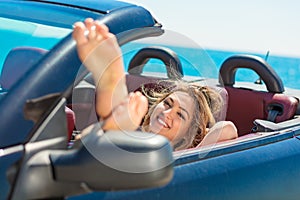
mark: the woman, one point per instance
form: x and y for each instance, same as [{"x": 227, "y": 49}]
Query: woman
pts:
[{"x": 183, "y": 114}]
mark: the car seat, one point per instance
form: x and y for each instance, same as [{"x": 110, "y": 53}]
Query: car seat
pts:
[{"x": 245, "y": 104}]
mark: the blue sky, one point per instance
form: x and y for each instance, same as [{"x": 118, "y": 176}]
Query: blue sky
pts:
[{"x": 252, "y": 26}]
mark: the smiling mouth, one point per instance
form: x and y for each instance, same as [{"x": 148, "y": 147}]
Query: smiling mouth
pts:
[{"x": 162, "y": 122}]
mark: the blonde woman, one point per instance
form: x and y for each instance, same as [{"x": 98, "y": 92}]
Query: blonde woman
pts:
[{"x": 183, "y": 114}]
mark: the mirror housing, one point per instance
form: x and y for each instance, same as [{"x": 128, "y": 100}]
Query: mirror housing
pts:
[
  {"x": 98, "y": 162},
  {"x": 116, "y": 161}
]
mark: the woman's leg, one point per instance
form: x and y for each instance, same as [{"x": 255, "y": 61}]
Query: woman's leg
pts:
[{"x": 100, "y": 53}]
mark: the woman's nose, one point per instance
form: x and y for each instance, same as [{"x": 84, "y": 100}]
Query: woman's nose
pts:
[{"x": 168, "y": 113}]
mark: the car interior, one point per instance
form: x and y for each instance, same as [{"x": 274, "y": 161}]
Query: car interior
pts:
[{"x": 261, "y": 111}]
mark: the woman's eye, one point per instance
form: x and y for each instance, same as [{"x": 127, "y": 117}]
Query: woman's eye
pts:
[
  {"x": 167, "y": 104},
  {"x": 181, "y": 115}
]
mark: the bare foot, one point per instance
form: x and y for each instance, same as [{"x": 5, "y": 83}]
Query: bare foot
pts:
[
  {"x": 97, "y": 47},
  {"x": 129, "y": 114}
]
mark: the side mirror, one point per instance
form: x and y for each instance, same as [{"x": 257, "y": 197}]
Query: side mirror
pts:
[
  {"x": 116, "y": 160},
  {"x": 99, "y": 162}
]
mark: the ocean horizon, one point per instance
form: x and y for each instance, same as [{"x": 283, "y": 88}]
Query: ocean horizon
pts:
[{"x": 286, "y": 67}]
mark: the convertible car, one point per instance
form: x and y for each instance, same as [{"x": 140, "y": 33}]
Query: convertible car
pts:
[{"x": 47, "y": 98}]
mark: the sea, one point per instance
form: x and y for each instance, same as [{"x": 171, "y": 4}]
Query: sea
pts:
[
  {"x": 287, "y": 67},
  {"x": 206, "y": 63}
]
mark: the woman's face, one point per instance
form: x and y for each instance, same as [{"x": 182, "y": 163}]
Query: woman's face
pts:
[{"x": 172, "y": 117}]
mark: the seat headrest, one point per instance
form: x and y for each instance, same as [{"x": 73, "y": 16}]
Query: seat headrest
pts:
[{"x": 18, "y": 61}]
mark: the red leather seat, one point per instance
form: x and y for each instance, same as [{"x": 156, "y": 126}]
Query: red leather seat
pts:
[
  {"x": 70, "y": 121},
  {"x": 244, "y": 106}
]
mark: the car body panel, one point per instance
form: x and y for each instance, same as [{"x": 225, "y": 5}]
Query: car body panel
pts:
[
  {"x": 8, "y": 158},
  {"x": 269, "y": 170},
  {"x": 106, "y": 6},
  {"x": 39, "y": 12}
]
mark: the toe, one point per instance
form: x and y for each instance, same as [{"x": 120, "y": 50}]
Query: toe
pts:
[{"x": 78, "y": 33}]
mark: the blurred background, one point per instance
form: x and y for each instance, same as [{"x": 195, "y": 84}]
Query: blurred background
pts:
[{"x": 252, "y": 26}]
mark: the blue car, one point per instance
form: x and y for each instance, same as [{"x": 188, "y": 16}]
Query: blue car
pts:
[{"x": 47, "y": 98}]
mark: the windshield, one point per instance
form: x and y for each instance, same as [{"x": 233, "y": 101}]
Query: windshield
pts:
[{"x": 27, "y": 36}]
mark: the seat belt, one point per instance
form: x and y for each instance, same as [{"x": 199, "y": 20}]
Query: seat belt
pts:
[
  {"x": 274, "y": 110},
  {"x": 272, "y": 114}
]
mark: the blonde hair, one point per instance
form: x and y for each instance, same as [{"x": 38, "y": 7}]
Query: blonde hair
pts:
[{"x": 207, "y": 103}]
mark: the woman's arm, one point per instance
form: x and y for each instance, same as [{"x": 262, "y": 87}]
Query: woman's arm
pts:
[{"x": 221, "y": 131}]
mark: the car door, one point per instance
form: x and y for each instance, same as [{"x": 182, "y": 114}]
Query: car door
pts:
[
  {"x": 8, "y": 159},
  {"x": 262, "y": 168}
]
